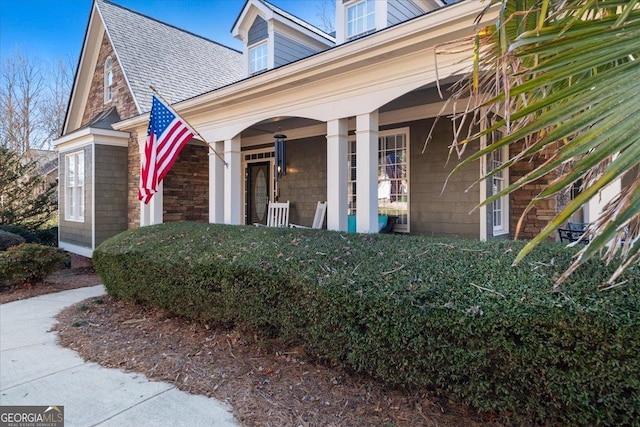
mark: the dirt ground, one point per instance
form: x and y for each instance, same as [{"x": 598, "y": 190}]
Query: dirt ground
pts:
[{"x": 267, "y": 383}]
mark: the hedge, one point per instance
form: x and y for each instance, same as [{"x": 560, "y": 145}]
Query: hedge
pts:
[
  {"x": 9, "y": 239},
  {"x": 449, "y": 316},
  {"x": 28, "y": 235},
  {"x": 30, "y": 263}
]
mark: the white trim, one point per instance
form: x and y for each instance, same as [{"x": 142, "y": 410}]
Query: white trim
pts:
[
  {"x": 354, "y": 3},
  {"x": 124, "y": 74},
  {"x": 93, "y": 197},
  {"x": 404, "y": 115},
  {"x": 87, "y": 62},
  {"x": 253, "y": 47},
  {"x": 298, "y": 84},
  {"x": 71, "y": 217},
  {"x": 272, "y": 179},
  {"x": 106, "y": 137},
  {"x": 406, "y": 132},
  {"x": 79, "y": 250},
  {"x": 108, "y": 80},
  {"x": 482, "y": 187},
  {"x": 504, "y": 200}
]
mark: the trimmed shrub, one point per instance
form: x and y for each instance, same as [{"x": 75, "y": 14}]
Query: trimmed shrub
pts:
[
  {"x": 449, "y": 316},
  {"x": 48, "y": 236},
  {"x": 29, "y": 263},
  {"x": 28, "y": 235},
  {"x": 9, "y": 239}
]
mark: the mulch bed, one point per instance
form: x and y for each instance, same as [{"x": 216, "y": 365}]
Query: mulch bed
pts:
[
  {"x": 267, "y": 383},
  {"x": 61, "y": 280}
]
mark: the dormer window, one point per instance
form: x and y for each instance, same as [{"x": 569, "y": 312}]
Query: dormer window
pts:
[
  {"x": 108, "y": 79},
  {"x": 361, "y": 18},
  {"x": 258, "y": 58}
]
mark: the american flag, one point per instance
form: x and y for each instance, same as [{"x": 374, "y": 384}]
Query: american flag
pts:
[{"x": 166, "y": 136}]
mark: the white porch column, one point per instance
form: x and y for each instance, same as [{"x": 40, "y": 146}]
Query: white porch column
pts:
[
  {"x": 596, "y": 203},
  {"x": 152, "y": 213},
  {"x": 232, "y": 182},
  {"x": 367, "y": 172},
  {"x": 216, "y": 184},
  {"x": 337, "y": 203}
]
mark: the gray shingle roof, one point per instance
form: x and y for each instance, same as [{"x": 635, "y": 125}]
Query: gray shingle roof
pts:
[{"x": 180, "y": 65}]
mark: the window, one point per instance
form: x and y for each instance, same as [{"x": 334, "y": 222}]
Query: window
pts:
[
  {"x": 393, "y": 176},
  {"x": 74, "y": 184},
  {"x": 258, "y": 58},
  {"x": 498, "y": 182},
  {"x": 108, "y": 79},
  {"x": 361, "y": 18}
]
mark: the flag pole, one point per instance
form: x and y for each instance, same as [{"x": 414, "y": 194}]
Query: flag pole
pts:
[{"x": 192, "y": 128}]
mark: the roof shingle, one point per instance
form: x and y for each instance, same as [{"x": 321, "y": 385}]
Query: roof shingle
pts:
[{"x": 179, "y": 64}]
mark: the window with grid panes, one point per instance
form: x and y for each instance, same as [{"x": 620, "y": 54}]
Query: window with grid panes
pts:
[{"x": 393, "y": 176}]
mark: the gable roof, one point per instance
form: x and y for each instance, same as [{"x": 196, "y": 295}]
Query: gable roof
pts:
[
  {"x": 290, "y": 19},
  {"x": 178, "y": 63}
]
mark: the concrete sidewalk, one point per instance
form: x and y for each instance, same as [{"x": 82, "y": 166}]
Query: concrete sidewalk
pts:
[{"x": 34, "y": 370}]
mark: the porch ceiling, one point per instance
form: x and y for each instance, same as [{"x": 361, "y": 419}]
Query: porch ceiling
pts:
[{"x": 274, "y": 125}]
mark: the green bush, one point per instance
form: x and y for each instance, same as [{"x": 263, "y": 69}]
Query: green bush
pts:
[
  {"x": 28, "y": 235},
  {"x": 48, "y": 236},
  {"x": 9, "y": 239},
  {"x": 29, "y": 263},
  {"x": 448, "y": 316}
]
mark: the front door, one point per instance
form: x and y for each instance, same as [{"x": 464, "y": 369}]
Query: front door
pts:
[{"x": 257, "y": 192}]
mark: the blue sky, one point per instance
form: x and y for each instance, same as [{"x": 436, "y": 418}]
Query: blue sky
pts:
[{"x": 48, "y": 29}]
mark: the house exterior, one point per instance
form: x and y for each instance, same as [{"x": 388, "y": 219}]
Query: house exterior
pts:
[{"x": 356, "y": 108}]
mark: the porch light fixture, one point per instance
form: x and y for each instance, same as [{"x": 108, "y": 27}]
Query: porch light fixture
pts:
[{"x": 280, "y": 154}]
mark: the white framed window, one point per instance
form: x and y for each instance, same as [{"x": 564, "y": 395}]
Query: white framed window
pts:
[
  {"x": 361, "y": 18},
  {"x": 498, "y": 182},
  {"x": 393, "y": 176},
  {"x": 74, "y": 186},
  {"x": 108, "y": 79},
  {"x": 258, "y": 58}
]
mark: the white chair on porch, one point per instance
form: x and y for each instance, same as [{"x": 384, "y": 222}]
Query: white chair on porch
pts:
[
  {"x": 278, "y": 214},
  {"x": 318, "y": 218}
]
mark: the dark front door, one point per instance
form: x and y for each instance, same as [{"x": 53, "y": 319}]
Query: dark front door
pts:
[{"x": 258, "y": 178}]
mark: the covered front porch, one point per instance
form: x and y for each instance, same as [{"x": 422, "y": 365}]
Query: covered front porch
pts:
[{"x": 356, "y": 118}]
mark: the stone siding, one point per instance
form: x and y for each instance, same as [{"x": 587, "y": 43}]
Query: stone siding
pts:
[
  {"x": 186, "y": 186},
  {"x": 133, "y": 180},
  {"x": 544, "y": 211},
  {"x": 121, "y": 96}
]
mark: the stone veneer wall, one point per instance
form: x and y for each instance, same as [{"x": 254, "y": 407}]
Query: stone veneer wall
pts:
[
  {"x": 121, "y": 96},
  {"x": 133, "y": 180},
  {"x": 186, "y": 186},
  {"x": 544, "y": 211}
]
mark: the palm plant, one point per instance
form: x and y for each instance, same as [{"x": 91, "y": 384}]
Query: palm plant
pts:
[{"x": 562, "y": 77}]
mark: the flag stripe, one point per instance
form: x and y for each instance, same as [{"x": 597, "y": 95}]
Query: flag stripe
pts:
[{"x": 166, "y": 137}]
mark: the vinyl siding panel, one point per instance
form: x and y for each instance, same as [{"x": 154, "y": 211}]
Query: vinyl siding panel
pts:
[
  {"x": 288, "y": 50},
  {"x": 111, "y": 191},
  {"x": 306, "y": 183},
  {"x": 433, "y": 213},
  {"x": 258, "y": 32},
  {"x": 74, "y": 232},
  {"x": 401, "y": 10}
]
